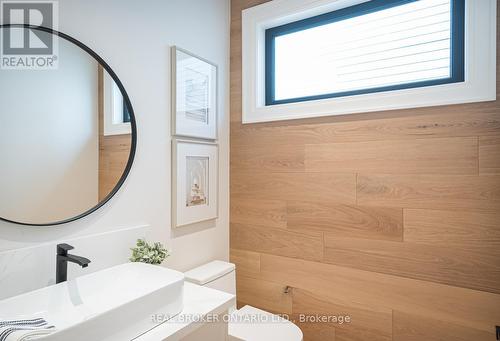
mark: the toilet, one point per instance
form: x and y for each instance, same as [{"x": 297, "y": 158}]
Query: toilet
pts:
[{"x": 263, "y": 326}]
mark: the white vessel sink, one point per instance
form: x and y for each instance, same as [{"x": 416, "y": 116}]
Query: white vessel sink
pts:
[{"x": 115, "y": 304}]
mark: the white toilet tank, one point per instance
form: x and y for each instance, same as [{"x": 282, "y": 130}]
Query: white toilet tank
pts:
[
  {"x": 216, "y": 275},
  {"x": 220, "y": 275}
]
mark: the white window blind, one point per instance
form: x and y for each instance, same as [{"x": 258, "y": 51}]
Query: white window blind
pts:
[{"x": 400, "y": 45}]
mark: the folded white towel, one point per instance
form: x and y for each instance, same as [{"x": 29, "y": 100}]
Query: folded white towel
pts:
[
  {"x": 24, "y": 330},
  {"x": 27, "y": 335}
]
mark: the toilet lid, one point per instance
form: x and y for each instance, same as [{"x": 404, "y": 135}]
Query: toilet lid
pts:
[
  {"x": 208, "y": 272},
  {"x": 252, "y": 324}
]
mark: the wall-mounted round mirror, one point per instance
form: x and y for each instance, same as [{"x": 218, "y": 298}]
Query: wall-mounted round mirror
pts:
[{"x": 67, "y": 128}]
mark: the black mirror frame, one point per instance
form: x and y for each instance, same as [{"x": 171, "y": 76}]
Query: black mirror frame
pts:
[{"x": 126, "y": 99}]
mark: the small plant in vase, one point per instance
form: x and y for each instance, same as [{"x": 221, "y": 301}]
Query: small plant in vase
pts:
[{"x": 148, "y": 253}]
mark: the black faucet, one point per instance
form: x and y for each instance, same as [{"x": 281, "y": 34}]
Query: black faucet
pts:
[{"x": 62, "y": 262}]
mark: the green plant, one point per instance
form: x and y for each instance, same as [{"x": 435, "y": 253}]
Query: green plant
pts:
[{"x": 147, "y": 253}]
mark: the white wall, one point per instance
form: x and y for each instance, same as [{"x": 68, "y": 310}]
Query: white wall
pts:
[
  {"x": 49, "y": 149},
  {"x": 135, "y": 37}
]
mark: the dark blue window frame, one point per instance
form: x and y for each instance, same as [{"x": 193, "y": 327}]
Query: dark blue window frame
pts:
[
  {"x": 126, "y": 114},
  {"x": 457, "y": 47}
]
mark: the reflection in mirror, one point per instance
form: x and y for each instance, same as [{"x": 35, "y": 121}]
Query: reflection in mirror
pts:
[
  {"x": 114, "y": 134},
  {"x": 65, "y": 138}
]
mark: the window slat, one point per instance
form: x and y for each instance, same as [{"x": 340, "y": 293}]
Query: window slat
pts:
[
  {"x": 371, "y": 38},
  {"x": 403, "y": 44}
]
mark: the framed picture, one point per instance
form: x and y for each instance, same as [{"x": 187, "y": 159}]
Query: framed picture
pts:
[
  {"x": 194, "y": 181},
  {"x": 194, "y": 96}
]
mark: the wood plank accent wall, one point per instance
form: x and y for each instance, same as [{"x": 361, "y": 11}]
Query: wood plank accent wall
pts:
[{"x": 392, "y": 218}]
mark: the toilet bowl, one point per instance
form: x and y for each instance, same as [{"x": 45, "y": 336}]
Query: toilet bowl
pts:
[{"x": 247, "y": 323}]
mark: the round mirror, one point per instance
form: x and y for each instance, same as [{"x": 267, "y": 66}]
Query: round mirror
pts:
[{"x": 67, "y": 128}]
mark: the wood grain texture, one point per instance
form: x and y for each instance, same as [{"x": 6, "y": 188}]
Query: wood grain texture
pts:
[
  {"x": 473, "y": 231},
  {"x": 315, "y": 331},
  {"x": 277, "y": 241},
  {"x": 114, "y": 152},
  {"x": 346, "y": 220},
  {"x": 283, "y": 158},
  {"x": 481, "y": 119},
  {"x": 265, "y": 295},
  {"x": 408, "y": 200},
  {"x": 421, "y": 156},
  {"x": 362, "y": 324},
  {"x": 320, "y": 187},
  {"x": 235, "y": 55},
  {"x": 375, "y": 291},
  {"x": 270, "y": 213},
  {"x": 430, "y": 191},
  {"x": 247, "y": 262},
  {"x": 489, "y": 154},
  {"x": 445, "y": 265},
  {"x": 409, "y": 327}
]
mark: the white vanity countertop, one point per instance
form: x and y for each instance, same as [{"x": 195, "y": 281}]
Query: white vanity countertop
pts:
[{"x": 199, "y": 302}]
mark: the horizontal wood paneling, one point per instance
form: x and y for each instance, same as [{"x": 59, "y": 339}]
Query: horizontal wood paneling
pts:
[
  {"x": 446, "y": 265},
  {"x": 489, "y": 154},
  {"x": 363, "y": 324},
  {"x": 346, "y": 220},
  {"x": 370, "y": 290},
  {"x": 391, "y": 213},
  {"x": 409, "y": 327},
  {"x": 482, "y": 119},
  {"x": 258, "y": 212},
  {"x": 277, "y": 241},
  {"x": 114, "y": 152},
  {"x": 247, "y": 262},
  {"x": 430, "y": 191},
  {"x": 474, "y": 231},
  {"x": 263, "y": 294},
  {"x": 421, "y": 156},
  {"x": 283, "y": 158},
  {"x": 321, "y": 187},
  {"x": 315, "y": 331}
]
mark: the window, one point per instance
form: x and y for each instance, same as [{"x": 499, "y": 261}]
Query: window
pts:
[
  {"x": 116, "y": 114},
  {"x": 312, "y": 58},
  {"x": 380, "y": 45}
]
